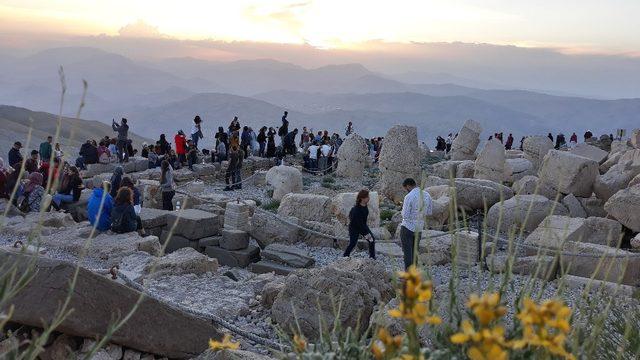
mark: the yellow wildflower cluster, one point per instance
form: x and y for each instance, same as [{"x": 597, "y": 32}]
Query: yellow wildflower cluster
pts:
[
  {"x": 415, "y": 296},
  {"x": 299, "y": 343},
  {"x": 488, "y": 342},
  {"x": 386, "y": 345},
  {"x": 545, "y": 326},
  {"x": 225, "y": 344}
]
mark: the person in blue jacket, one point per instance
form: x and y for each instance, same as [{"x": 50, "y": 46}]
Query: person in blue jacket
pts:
[{"x": 103, "y": 223}]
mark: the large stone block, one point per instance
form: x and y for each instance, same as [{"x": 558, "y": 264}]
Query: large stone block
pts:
[
  {"x": 234, "y": 239},
  {"x": 288, "y": 255},
  {"x": 173, "y": 242},
  {"x": 535, "y": 148},
  {"x": 516, "y": 169},
  {"x": 490, "y": 164},
  {"x": 399, "y": 159},
  {"x": 306, "y": 207},
  {"x": 234, "y": 258},
  {"x": 353, "y": 156},
  {"x": 624, "y": 206},
  {"x": 447, "y": 169},
  {"x": 284, "y": 180},
  {"x": 569, "y": 173},
  {"x": 475, "y": 194},
  {"x": 590, "y": 152},
  {"x": 555, "y": 230},
  {"x": 523, "y": 212},
  {"x": 465, "y": 144},
  {"x": 193, "y": 224},
  {"x": 601, "y": 262},
  {"x": 96, "y": 301},
  {"x": 603, "y": 231},
  {"x": 574, "y": 206},
  {"x": 267, "y": 229},
  {"x": 152, "y": 218}
]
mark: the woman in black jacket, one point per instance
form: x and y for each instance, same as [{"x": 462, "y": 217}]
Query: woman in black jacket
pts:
[
  {"x": 358, "y": 224},
  {"x": 70, "y": 188},
  {"x": 123, "y": 215}
]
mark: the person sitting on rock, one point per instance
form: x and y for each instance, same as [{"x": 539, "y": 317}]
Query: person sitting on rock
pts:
[
  {"x": 358, "y": 224},
  {"x": 192, "y": 154},
  {"x": 123, "y": 215},
  {"x": 33, "y": 193},
  {"x": 70, "y": 188},
  {"x": 88, "y": 154},
  {"x": 99, "y": 207},
  {"x": 137, "y": 199},
  {"x": 116, "y": 180},
  {"x": 104, "y": 155},
  {"x": 153, "y": 157}
]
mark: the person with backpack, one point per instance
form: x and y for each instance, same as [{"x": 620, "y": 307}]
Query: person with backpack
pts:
[
  {"x": 123, "y": 216},
  {"x": 104, "y": 155},
  {"x": 70, "y": 188},
  {"x": 33, "y": 193},
  {"x": 358, "y": 224},
  {"x": 137, "y": 198},
  {"x": 167, "y": 186},
  {"x": 99, "y": 207},
  {"x": 123, "y": 136},
  {"x": 116, "y": 180}
]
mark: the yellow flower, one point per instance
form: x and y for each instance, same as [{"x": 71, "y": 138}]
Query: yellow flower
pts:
[
  {"x": 225, "y": 344},
  {"x": 299, "y": 343},
  {"x": 385, "y": 344},
  {"x": 415, "y": 296},
  {"x": 377, "y": 350},
  {"x": 486, "y": 308},
  {"x": 544, "y": 326}
]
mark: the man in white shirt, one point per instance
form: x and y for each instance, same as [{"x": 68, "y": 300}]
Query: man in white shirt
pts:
[
  {"x": 313, "y": 156},
  {"x": 415, "y": 207},
  {"x": 325, "y": 151}
]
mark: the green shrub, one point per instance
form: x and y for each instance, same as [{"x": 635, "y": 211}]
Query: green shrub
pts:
[
  {"x": 386, "y": 214},
  {"x": 272, "y": 205}
]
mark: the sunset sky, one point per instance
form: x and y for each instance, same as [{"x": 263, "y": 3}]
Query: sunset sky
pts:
[{"x": 594, "y": 26}]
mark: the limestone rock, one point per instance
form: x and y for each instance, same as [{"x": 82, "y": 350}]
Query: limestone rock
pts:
[
  {"x": 602, "y": 262},
  {"x": 63, "y": 347},
  {"x": 352, "y": 157},
  {"x": 465, "y": 169},
  {"x": 193, "y": 224},
  {"x": 516, "y": 169},
  {"x": 473, "y": 194},
  {"x": 284, "y": 180},
  {"x": 182, "y": 261},
  {"x": 234, "y": 239},
  {"x": 399, "y": 159},
  {"x": 531, "y": 185},
  {"x": 569, "y": 173},
  {"x": 555, "y": 230},
  {"x": 526, "y": 211},
  {"x": 590, "y": 152},
  {"x": 270, "y": 291},
  {"x": 603, "y": 231},
  {"x": 490, "y": 164},
  {"x": 574, "y": 206},
  {"x": 312, "y": 239},
  {"x": 535, "y": 148},
  {"x": 342, "y": 203},
  {"x": 624, "y": 206},
  {"x": 447, "y": 169},
  {"x": 435, "y": 248},
  {"x": 267, "y": 229},
  {"x": 96, "y": 301},
  {"x": 310, "y": 296},
  {"x": 593, "y": 206},
  {"x": 306, "y": 207},
  {"x": 619, "y": 175},
  {"x": 287, "y": 255},
  {"x": 465, "y": 144}
]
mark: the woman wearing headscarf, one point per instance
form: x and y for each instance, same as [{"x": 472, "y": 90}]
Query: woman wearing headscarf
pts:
[
  {"x": 116, "y": 179},
  {"x": 33, "y": 193}
]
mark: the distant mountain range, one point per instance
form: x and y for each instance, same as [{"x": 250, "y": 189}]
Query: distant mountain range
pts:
[{"x": 163, "y": 96}]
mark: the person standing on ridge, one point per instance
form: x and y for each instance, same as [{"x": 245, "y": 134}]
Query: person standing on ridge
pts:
[
  {"x": 358, "y": 225},
  {"x": 196, "y": 130},
  {"x": 46, "y": 149},
  {"x": 509, "y": 144},
  {"x": 349, "y": 130},
  {"x": 415, "y": 207},
  {"x": 123, "y": 135},
  {"x": 284, "y": 128},
  {"x": 181, "y": 146}
]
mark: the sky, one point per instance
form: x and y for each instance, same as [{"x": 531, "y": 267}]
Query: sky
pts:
[{"x": 573, "y": 26}]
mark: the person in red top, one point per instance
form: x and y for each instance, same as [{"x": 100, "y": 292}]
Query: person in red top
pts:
[{"x": 181, "y": 146}]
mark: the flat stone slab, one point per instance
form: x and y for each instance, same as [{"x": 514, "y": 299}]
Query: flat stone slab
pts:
[
  {"x": 288, "y": 255},
  {"x": 267, "y": 266},
  {"x": 234, "y": 239},
  {"x": 389, "y": 249},
  {"x": 176, "y": 242},
  {"x": 209, "y": 241},
  {"x": 235, "y": 258},
  {"x": 152, "y": 218},
  {"x": 96, "y": 301},
  {"x": 193, "y": 224}
]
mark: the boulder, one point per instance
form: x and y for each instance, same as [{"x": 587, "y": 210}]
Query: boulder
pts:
[
  {"x": 624, "y": 206},
  {"x": 465, "y": 169},
  {"x": 490, "y": 164},
  {"x": 234, "y": 239},
  {"x": 310, "y": 298},
  {"x": 475, "y": 194},
  {"x": 234, "y": 258},
  {"x": 441, "y": 210},
  {"x": 267, "y": 229},
  {"x": 182, "y": 261},
  {"x": 63, "y": 347},
  {"x": 514, "y": 154},
  {"x": 306, "y": 207},
  {"x": 523, "y": 211},
  {"x": 288, "y": 255},
  {"x": 465, "y": 144},
  {"x": 611, "y": 160},
  {"x": 569, "y": 173},
  {"x": 516, "y": 169},
  {"x": 590, "y": 152},
  {"x": 284, "y": 180},
  {"x": 399, "y": 159},
  {"x": 466, "y": 246},
  {"x": 96, "y": 301},
  {"x": 193, "y": 224},
  {"x": 153, "y": 218},
  {"x": 531, "y": 185},
  {"x": 435, "y": 248},
  {"x": 601, "y": 262},
  {"x": 618, "y": 176},
  {"x": 635, "y": 181},
  {"x": 311, "y": 239},
  {"x": 352, "y": 157},
  {"x": 237, "y": 214},
  {"x": 574, "y": 206},
  {"x": 555, "y": 230},
  {"x": 535, "y": 148},
  {"x": 270, "y": 291},
  {"x": 342, "y": 203},
  {"x": 375, "y": 275},
  {"x": 541, "y": 266},
  {"x": 593, "y": 206},
  {"x": 603, "y": 231},
  {"x": 447, "y": 169}
]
